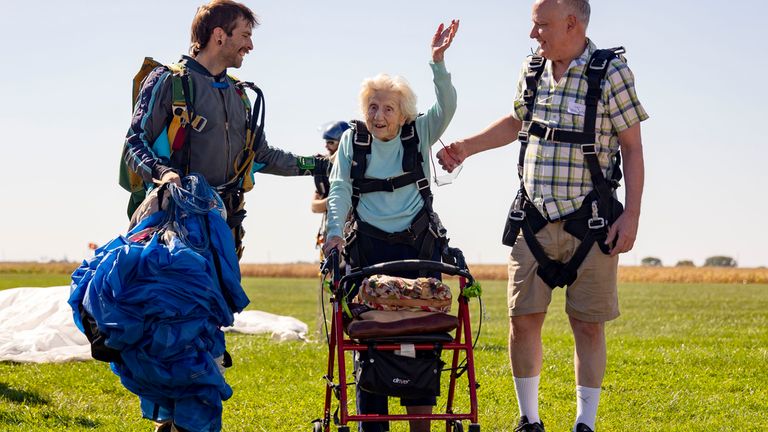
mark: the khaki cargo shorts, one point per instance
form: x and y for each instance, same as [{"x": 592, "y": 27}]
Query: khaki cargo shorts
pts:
[{"x": 592, "y": 297}]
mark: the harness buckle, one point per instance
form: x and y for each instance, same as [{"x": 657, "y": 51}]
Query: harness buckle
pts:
[
  {"x": 355, "y": 192},
  {"x": 361, "y": 136},
  {"x": 527, "y": 93},
  {"x": 434, "y": 234},
  {"x": 198, "y": 123},
  {"x": 536, "y": 62},
  {"x": 588, "y": 149},
  {"x": 596, "y": 222},
  {"x": 598, "y": 66},
  {"x": 422, "y": 183},
  {"x": 350, "y": 237},
  {"x": 523, "y": 137},
  {"x": 516, "y": 215},
  {"x": 549, "y": 134}
]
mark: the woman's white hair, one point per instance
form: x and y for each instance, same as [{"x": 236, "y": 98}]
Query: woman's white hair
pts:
[
  {"x": 395, "y": 84},
  {"x": 580, "y": 9}
]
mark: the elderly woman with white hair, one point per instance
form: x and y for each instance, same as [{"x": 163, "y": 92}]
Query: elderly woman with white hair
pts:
[{"x": 382, "y": 174}]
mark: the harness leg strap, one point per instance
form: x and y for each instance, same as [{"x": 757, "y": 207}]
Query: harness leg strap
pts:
[{"x": 556, "y": 273}]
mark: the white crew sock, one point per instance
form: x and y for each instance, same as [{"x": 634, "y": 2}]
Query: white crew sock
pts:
[
  {"x": 587, "y": 399},
  {"x": 527, "y": 390}
]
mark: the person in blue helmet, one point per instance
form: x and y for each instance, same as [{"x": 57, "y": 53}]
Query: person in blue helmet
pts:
[{"x": 331, "y": 135}]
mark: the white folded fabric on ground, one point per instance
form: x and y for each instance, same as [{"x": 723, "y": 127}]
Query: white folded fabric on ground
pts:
[
  {"x": 283, "y": 328},
  {"x": 36, "y": 326}
]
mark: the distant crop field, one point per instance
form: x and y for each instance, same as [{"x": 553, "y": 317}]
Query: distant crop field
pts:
[{"x": 481, "y": 271}]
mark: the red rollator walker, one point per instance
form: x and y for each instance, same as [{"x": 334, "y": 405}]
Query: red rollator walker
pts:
[{"x": 377, "y": 344}]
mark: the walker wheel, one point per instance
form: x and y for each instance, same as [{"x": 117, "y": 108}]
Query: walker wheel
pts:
[
  {"x": 457, "y": 426},
  {"x": 343, "y": 429},
  {"x": 474, "y": 427}
]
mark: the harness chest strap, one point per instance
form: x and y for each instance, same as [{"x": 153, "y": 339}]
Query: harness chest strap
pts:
[
  {"x": 185, "y": 117},
  {"x": 595, "y": 71},
  {"x": 411, "y": 164}
]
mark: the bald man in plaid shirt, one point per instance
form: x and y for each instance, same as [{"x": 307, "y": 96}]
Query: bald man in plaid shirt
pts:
[{"x": 556, "y": 179}]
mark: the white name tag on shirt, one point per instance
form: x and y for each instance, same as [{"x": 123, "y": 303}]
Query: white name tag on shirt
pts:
[{"x": 576, "y": 108}]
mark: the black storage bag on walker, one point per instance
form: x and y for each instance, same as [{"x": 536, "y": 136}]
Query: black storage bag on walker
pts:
[{"x": 390, "y": 374}]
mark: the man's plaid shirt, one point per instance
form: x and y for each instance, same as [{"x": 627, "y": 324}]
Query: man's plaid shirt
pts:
[{"x": 555, "y": 174}]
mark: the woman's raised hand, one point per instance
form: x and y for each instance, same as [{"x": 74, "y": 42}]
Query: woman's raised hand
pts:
[{"x": 442, "y": 40}]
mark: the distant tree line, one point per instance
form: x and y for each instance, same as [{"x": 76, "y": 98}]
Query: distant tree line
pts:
[
  {"x": 651, "y": 262},
  {"x": 720, "y": 261},
  {"x": 713, "y": 261}
]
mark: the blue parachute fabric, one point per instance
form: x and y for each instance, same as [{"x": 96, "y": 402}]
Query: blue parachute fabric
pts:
[{"x": 157, "y": 297}]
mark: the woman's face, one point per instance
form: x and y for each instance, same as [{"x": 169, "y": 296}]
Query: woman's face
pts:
[{"x": 384, "y": 116}]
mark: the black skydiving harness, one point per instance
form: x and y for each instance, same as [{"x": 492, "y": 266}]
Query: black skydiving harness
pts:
[
  {"x": 599, "y": 208},
  {"x": 233, "y": 190},
  {"x": 426, "y": 232}
]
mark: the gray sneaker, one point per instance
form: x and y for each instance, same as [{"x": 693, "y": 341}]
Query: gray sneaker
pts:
[{"x": 526, "y": 426}]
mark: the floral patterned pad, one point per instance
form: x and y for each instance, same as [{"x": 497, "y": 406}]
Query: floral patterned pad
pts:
[{"x": 390, "y": 293}]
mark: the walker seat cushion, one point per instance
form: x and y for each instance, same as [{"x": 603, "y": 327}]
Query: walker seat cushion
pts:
[
  {"x": 390, "y": 293},
  {"x": 378, "y": 324}
]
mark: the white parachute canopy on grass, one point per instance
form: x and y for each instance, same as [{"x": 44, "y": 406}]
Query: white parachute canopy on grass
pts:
[{"x": 36, "y": 326}]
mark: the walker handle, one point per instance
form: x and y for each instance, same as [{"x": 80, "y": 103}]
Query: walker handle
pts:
[
  {"x": 408, "y": 265},
  {"x": 331, "y": 264}
]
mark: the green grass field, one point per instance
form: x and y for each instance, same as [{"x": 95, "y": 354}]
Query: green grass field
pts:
[{"x": 682, "y": 357}]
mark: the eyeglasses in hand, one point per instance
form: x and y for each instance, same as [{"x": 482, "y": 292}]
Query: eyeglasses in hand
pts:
[{"x": 448, "y": 178}]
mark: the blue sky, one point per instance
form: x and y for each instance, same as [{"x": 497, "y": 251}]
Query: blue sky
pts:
[{"x": 65, "y": 91}]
